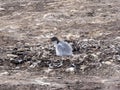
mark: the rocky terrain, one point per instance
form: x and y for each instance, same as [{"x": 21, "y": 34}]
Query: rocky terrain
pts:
[{"x": 27, "y": 57}]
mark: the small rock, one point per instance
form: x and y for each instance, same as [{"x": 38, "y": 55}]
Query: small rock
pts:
[
  {"x": 16, "y": 61},
  {"x": 12, "y": 55},
  {"x": 95, "y": 56},
  {"x": 117, "y": 38},
  {"x": 4, "y": 73},
  {"x": 90, "y": 14},
  {"x": 35, "y": 64},
  {"x": 85, "y": 40},
  {"x": 116, "y": 57},
  {"x": 48, "y": 70},
  {"x": 44, "y": 63},
  {"x": 70, "y": 69},
  {"x": 83, "y": 67},
  {"x": 56, "y": 64},
  {"x": 107, "y": 62},
  {"x": 17, "y": 68},
  {"x": 1, "y": 9}
]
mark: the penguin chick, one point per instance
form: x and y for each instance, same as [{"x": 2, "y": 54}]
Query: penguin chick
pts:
[{"x": 62, "y": 48}]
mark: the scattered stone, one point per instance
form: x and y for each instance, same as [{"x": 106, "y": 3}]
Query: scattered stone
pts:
[
  {"x": 35, "y": 64},
  {"x": 16, "y": 61},
  {"x": 92, "y": 27},
  {"x": 4, "y": 73},
  {"x": 44, "y": 63},
  {"x": 12, "y": 55},
  {"x": 48, "y": 70},
  {"x": 95, "y": 56},
  {"x": 1, "y": 9},
  {"x": 17, "y": 68},
  {"x": 117, "y": 38},
  {"x": 88, "y": 53},
  {"x": 90, "y": 14},
  {"x": 56, "y": 64},
  {"x": 116, "y": 58},
  {"x": 107, "y": 62},
  {"x": 83, "y": 67},
  {"x": 70, "y": 69}
]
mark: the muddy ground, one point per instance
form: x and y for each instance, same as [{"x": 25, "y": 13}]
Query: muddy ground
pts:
[{"x": 27, "y": 57}]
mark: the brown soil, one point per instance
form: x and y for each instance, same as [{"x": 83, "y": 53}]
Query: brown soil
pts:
[{"x": 92, "y": 27}]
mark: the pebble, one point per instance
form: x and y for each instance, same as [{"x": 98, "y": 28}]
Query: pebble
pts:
[
  {"x": 95, "y": 56},
  {"x": 1, "y": 9},
  {"x": 45, "y": 53},
  {"x": 117, "y": 38},
  {"x": 107, "y": 62},
  {"x": 16, "y": 61},
  {"x": 116, "y": 57},
  {"x": 34, "y": 64},
  {"x": 48, "y": 70},
  {"x": 12, "y": 55},
  {"x": 70, "y": 69},
  {"x": 83, "y": 67},
  {"x": 55, "y": 64},
  {"x": 17, "y": 67},
  {"x": 4, "y": 73}
]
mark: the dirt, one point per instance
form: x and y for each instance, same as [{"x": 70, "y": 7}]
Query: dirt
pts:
[{"x": 27, "y": 57}]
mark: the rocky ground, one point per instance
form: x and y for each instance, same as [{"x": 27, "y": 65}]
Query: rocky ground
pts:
[{"x": 27, "y": 57}]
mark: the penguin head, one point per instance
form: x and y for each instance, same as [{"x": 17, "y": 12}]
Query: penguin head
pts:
[{"x": 55, "y": 39}]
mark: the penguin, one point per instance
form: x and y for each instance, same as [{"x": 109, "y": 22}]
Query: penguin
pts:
[{"x": 62, "y": 48}]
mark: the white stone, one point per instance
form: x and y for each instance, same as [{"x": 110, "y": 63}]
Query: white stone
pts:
[
  {"x": 4, "y": 73},
  {"x": 108, "y": 62},
  {"x": 71, "y": 69}
]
